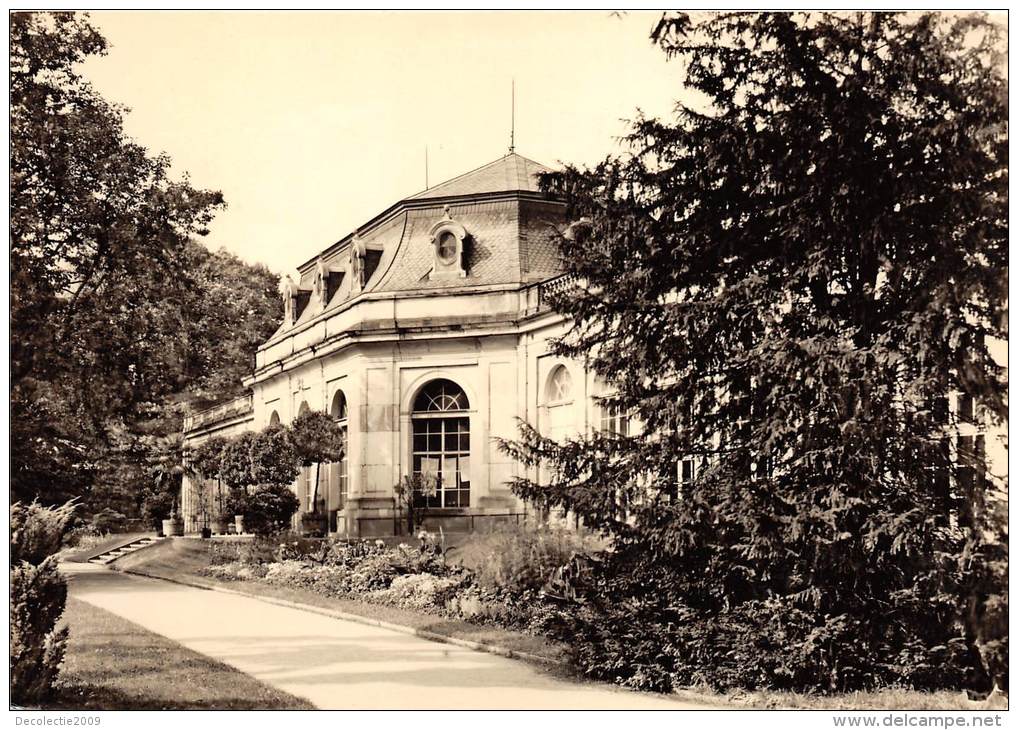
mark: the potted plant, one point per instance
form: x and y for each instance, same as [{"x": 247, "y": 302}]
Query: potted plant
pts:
[
  {"x": 174, "y": 525},
  {"x": 156, "y": 507},
  {"x": 236, "y": 504},
  {"x": 317, "y": 437},
  {"x": 270, "y": 508},
  {"x": 203, "y": 507},
  {"x": 235, "y": 471},
  {"x": 207, "y": 460},
  {"x": 411, "y": 493}
]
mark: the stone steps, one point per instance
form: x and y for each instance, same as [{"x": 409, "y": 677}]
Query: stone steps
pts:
[{"x": 110, "y": 555}]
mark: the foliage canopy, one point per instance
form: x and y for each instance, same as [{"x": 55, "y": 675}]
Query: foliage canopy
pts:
[
  {"x": 118, "y": 317},
  {"x": 780, "y": 285}
]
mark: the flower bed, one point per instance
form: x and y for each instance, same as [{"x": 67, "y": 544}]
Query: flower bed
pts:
[{"x": 421, "y": 578}]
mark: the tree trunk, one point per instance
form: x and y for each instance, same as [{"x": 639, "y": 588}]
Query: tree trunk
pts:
[{"x": 314, "y": 494}]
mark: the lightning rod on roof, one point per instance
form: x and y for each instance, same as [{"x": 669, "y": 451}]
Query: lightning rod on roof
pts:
[
  {"x": 512, "y": 126},
  {"x": 425, "y": 167}
]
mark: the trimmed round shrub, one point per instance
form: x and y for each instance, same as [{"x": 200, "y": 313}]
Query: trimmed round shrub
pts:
[{"x": 269, "y": 509}]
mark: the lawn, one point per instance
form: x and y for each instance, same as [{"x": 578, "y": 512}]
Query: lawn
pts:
[{"x": 113, "y": 664}]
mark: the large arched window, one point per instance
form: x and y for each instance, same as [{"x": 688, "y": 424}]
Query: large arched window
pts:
[
  {"x": 274, "y": 418},
  {"x": 441, "y": 442},
  {"x": 339, "y": 480},
  {"x": 558, "y": 401}
]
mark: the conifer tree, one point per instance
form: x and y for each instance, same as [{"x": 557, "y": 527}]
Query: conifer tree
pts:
[{"x": 781, "y": 285}]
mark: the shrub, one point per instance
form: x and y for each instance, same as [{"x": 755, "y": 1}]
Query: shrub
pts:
[
  {"x": 477, "y": 604},
  {"x": 428, "y": 558},
  {"x": 109, "y": 520},
  {"x": 420, "y": 592},
  {"x": 38, "y": 593},
  {"x": 636, "y": 626},
  {"x": 323, "y": 579},
  {"x": 350, "y": 554},
  {"x": 273, "y": 457},
  {"x": 236, "y": 502},
  {"x": 519, "y": 558},
  {"x": 235, "y": 571},
  {"x": 269, "y": 509},
  {"x": 157, "y": 507},
  {"x": 316, "y": 437},
  {"x": 299, "y": 547},
  {"x": 235, "y": 466},
  {"x": 373, "y": 572},
  {"x": 84, "y": 538},
  {"x": 221, "y": 553}
]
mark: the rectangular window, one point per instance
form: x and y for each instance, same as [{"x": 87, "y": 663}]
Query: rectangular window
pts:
[
  {"x": 688, "y": 471},
  {"x": 614, "y": 420},
  {"x": 442, "y": 450},
  {"x": 966, "y": 408},
  {"x": 343, "y": 472}
]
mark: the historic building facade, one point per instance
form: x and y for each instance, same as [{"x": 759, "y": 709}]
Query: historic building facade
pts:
[{"x": 425, "y": 333}]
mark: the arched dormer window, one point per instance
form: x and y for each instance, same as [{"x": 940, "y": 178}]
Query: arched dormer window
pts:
[
  {"x": 448, "y": 239},
  {"x": 441, "y": 442}
]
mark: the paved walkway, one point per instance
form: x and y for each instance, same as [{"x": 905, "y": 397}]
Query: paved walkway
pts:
[{"x": 338, "y": 664}]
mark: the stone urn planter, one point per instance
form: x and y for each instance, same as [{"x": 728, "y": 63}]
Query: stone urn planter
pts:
[
  {"x": 173, "y": 527},
  {"x": 313, "y": 524},
  {"x": 222, "y": 526},
  {"x": 206, "y": 533},
  {"x": 238, "y": 520}
]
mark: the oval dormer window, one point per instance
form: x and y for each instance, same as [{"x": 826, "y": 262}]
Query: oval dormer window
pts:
[
  {"x": 447, "y": 239},
  {"x": 447, "y": 247}
]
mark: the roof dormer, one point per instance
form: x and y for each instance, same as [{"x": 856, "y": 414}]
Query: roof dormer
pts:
[{"x": 448, "y": 240}]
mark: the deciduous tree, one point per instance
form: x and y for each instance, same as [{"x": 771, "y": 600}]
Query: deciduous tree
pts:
[
  {"x": 317, "y": 438},
  {"x": 118, "y": 317}
]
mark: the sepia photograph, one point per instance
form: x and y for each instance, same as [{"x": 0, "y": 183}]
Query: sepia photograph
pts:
[{"x": 435, "y": 360}]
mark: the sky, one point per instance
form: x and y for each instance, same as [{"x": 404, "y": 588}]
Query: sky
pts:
[{"x": 310, "y": 123}]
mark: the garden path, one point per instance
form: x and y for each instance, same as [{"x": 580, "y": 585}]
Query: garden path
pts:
[{"x": 338, "y": 664}]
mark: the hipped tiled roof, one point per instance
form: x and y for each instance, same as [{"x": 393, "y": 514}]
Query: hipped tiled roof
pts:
[{"x": 512, "y": 172}]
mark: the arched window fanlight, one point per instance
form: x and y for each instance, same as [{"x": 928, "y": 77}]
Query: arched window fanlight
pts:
[
  {"x": 441, "y": 396},
  {"x": 560, "y": 385},
  {"x": 441, "y": 443}
]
